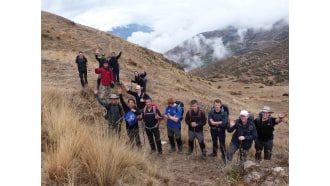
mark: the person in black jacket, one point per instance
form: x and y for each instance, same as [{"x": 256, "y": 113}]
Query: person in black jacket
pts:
[
  {"x": 132, "y": 130},
  {"x": 140, "y": 97},
  {"x": 196, "y": 119},
  {"x": 115, "y": 65},
  {"x": 152, "y": 116},
  {"x": 242, "y": 139},
  {"x": 140, "y": 79},
  {"x": 82, "y": 67},
  {"x": 218, "y": 120},
  {"x": 265, "y": 128},
  {"x": 114, "y": 112},
  {"x": 101, "y": 61}
]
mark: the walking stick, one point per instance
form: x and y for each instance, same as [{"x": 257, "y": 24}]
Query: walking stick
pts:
[
  {"x": 195, "y": 146},
  {"x": 240, "y": 152}
]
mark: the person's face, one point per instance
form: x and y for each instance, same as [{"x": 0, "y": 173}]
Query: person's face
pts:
[
  {"x": 148, "y": 103},
  {"x": 136, "y": 73},
  {"x": 243, "y": 118},
  {"x": 105, "y": 65},
  {"x": 113, "y": 54},
  {"x": 217, "y": 106},
  {"x": 194, "y": 107},
  {"x": 114, "y": 100},
  {"x": 81, "y": 54},
  {"x": 138, "y": 91},
  {"x": 131, "y": 104},
  {"x": 265, "y": 115}
]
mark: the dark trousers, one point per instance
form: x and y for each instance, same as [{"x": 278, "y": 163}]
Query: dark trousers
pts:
[
  {"x": 116, "y": 74},
  {"x": 133, "y": 134},
  {"x": 266, "y": 145},
  {"x": 174, "y": 133},
  {"x": 233, "y": 147},
  {"x": 82, "y": 76},
  {"x": 154, "y": 136},
  {"x": 219, "y": 134}
]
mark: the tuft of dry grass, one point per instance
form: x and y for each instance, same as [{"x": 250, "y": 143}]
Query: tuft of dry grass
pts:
[{"x": 76, "y": 153}]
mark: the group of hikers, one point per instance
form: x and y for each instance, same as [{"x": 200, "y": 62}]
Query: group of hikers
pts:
[{"x": 143, "y": 109}]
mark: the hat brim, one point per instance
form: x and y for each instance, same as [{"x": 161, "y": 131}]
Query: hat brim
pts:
[{"x": 268, "y": 111}]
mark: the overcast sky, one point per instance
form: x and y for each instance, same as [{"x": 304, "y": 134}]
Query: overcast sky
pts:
[{"x": 173, "y": 21}]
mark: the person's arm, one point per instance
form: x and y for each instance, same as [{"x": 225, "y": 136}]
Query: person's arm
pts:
[
  {"x": 99, "y": 99},
  {"x": 77, "y": 65},
  {"x": 124, "y": 105},
  {"x": 158, "y": 114},
  {"x": 134, "y": 80},
  {"x": 97, "y": 70},
  {"x": 232, "y": 126},
  {"x": 143, "y": 74},
  {"x": 202, "y": 122},
  {"x": 187, "y": 118},
  {"x": 224, "y": 121},
  {"x": 253, "y": 135},
  {"x": 125, "y": 84},
  {"x": 176, "y": 117},
  {"x": 280, "y": 117},
  {"x": 119, "y": 55}
]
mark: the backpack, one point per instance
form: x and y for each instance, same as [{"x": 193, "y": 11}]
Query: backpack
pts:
[
  {"x": 131, "y": 118},
  {"x": 154, "y": 111},
  {"x": 180, "y": 104}
]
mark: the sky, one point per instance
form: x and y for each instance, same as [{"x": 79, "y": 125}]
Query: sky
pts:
[{"x": 173, "y": 21}]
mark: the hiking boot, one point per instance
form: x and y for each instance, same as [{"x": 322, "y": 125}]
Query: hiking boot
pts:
[
  {"x": 213, "y": 154},
  {"x": 180, "y": 149},
  {"x": 160, "y": 153},
  {"x": 190, "y": 151},
  {"x": 172, "y": 149},
  {"x": 204, "y": 156}
]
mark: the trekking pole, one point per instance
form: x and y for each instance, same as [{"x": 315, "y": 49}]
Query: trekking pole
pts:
[
  {"x": 195, "y": 146},
  {"x": 240, "y": 152}
]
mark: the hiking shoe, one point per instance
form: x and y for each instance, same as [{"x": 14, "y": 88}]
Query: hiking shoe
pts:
[
  {"x": 190, "y": 151},
  {"x": 180, "y": 149},
  {"x": 204, "y": 156},
  {"x": 213, "y": 154},
  {"x": 172, "y": 149}
]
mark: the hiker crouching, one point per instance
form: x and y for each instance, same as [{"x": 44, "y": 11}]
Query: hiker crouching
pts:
[{"x": 242, "y": 139}]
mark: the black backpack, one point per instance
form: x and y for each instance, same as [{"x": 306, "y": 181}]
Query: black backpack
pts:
[{"x": 181, "y": 104}]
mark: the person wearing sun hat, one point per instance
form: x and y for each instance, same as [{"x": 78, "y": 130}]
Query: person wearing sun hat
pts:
[
  {"x": 265, "y": 127},
  {"x": 242, "y": 139},
  {"x": 114, "y": 112}
]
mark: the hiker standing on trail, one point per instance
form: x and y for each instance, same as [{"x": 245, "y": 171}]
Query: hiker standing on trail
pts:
[
  {"x": 140, "y": 79},
  {"x": 242, "y": 139},
  {"x": 107, "y": 81},
  {"x": 114, "y": 112},
  {"x": 173, "y": 114},
  {"x": 196, "y": 119},
  {"x": 265, "y": 127},
  {"x": 115, "y": 65},
  {"x": 152, "y": 116},
  {"x": 101, "y": 61},
  {"x": 82, "y": 67},
  {"x": 218, "y": 120},
  {"x": 140, "y": 96},
  {"x": 131, "y": 118}
]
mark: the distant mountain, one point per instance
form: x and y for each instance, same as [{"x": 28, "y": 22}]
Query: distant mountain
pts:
[
  {"x": 127, "y": 30},
  {"x": 269, "y": 66},
  {"x": 208, "y": 47}
]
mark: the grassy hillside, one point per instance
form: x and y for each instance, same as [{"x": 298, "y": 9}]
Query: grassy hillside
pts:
[{"x": 74, "y": 148}]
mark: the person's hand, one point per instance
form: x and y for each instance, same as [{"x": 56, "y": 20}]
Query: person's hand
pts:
[
  {"x": 241, "y": 138},
  {"x": 125, "y": 83},
  {"x": 77, "y": 72},
  {"x": 282, "y": 114},
  {"x": 212, "y": 121},
  {"x": 232, "y": 123},
  {"x": 133, "y": 110},
  {"x": 95, "y": 91},
  {"x": 193, "y": 124},
  {"x": 97, "y": 51}
]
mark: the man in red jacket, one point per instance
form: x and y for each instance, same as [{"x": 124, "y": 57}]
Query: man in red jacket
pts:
[{"x": 107, "y": 80}]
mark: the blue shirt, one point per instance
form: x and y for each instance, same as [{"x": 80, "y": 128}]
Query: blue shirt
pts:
[{"x": 173, "y": 111}]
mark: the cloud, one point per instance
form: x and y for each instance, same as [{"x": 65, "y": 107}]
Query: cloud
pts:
[{"x": 172, "y": 21}]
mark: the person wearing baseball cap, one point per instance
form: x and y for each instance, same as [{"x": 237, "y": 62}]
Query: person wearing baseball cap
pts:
[
  {"x": 265, "y": 127},
  {"x": 242, "y": 139}
]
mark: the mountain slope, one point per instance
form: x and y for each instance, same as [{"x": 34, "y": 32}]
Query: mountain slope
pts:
[
  {"x": 61, "y": 41},
  {"x": 208, "y": 47},
  {"x": 269, "y": 66}
]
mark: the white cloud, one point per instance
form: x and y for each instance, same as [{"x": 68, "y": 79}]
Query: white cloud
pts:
[{"x": 172, "y": 21}]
